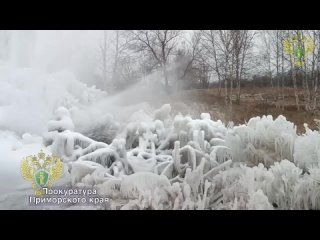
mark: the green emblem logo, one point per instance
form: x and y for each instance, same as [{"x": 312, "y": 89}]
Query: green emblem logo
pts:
[
  {"x": 42, "y": 170},
  {"x": 42, "y": 178},
  {"x": 299, "y": 47}
]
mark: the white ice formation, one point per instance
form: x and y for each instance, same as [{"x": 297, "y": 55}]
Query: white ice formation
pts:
[{"x": 166, "y": 162}]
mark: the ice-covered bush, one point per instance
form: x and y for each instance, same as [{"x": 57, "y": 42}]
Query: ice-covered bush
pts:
[
  {"x": 259, "y": 201},
  {"x": 241, "y": 186},
  {"x": 307, "y": 191},
  {"x": 104, "y": 129},
  {"x": 307, "y": 149},
  {"x": 262, "y": 140},
  {"x": 61, "y": 137},
  {"x": 181, "y": 156},
  {"x": 165, "y": 162},
  {"x": 162, "y": 113},
  {"x": 62, "y": 121},
  {"x": 281, "y": 190}
]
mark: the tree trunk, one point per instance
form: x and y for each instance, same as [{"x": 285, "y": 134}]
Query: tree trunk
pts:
[
  {"x": 231, "y": 83},
  {"x": 226, "y": 81},
  {"x": 282, "y": 75},
  {"x": 270, "y": 73},
  {"x": 116, "y": 58},
  {"x": 226, "y": 91},
  {"x": 307, "y": 90},
  {"x": 238, "y": 91},
  {"x": 238, "y": 81},
  {"x": 277, "y": 63},
  {"x": 315, "y": 89},
  {"x": 231, "y": 86},
  {"x": 166, "y": 80},
  {"x": 294, "y": 80},
  {"x": 216, "y": 60},
  {"x": 313, "y": 78},
  {"x": 104, "y": 60},
  {"x": 303, "y": 68}
]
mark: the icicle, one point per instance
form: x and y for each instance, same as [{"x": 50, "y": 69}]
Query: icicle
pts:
[
  {"x": 202, "y": 203},
  {"x": 183, "y": 138},
  {"x": 168, "y": 171},
  {"x": 177, "y": 157},
  {"x": 218, "y": 168}
]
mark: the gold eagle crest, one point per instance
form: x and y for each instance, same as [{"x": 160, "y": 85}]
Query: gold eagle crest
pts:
[
  {"x": 42, "y": 170},
  {"x": 299, "y": 47}
]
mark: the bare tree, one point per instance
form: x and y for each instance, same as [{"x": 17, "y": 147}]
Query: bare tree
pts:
[
  {"x": 281, "y": 38},
  {"x": 103, "y": 52},
  {"x": 267, "y": 53},
  {"x": 210, "y": 45},
  {"x": 193, "y": 52},
  {"x": 290, "y": 46},
  {"x": 316, "y": 61},
  {"x": 121, "y": 54},
  {"x": 278, "y": 50},
  {"x": 275, "y": 41},
  {"x": 242, "y": 47},
  {"x": 234, "y": 48},
  {"x": 160, "y": 44},
  {"x": 116, "y": 57},
  {"x": 225, "y": 38}
]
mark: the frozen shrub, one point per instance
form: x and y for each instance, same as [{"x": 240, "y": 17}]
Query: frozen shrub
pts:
[
  {"x": 103, "y": 130},
  {"x": 163, "y": 112},
  {"x": 307, "y": 149},
  {"x": 184, "y": 163},
  {"x": 307, "y": 191},
  {"x": 259, "y": 201},
  {"x": 262, "y": 140},
  {"x": 62, "y": 121},
  {"x": 285, "y": 176},
  {"x": 133, "y": 185},
  {"x": 80, "y": 169}
]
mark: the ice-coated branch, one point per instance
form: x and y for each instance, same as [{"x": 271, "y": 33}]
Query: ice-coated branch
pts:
[{"x": 217, "y": 169}]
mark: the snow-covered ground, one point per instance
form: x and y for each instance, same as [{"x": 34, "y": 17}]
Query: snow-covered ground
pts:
[{"x": 13, "y": 188}]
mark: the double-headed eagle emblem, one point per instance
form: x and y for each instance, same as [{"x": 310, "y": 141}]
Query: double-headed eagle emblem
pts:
[
  {"x": 299, "y": 47},
  {"x": 42, "y": 170}
]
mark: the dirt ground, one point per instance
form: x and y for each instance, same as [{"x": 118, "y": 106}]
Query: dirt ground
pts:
[{"x": 254, "y": 102}]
